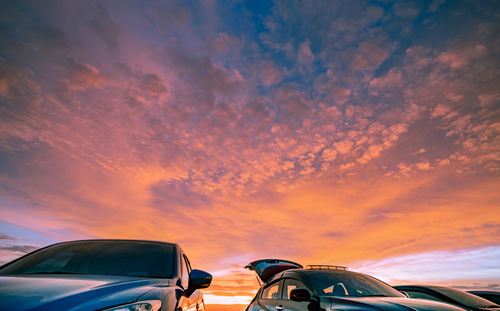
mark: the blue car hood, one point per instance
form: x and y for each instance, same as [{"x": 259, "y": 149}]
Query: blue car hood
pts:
[
  {"x": 390, "y": 304},
  {"x": 72, "y": 292}
]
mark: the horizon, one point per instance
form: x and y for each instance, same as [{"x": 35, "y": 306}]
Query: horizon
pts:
[{"x": 355, "y": 133}]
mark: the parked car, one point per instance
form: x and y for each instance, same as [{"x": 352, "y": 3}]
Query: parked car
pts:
[
  {"x": 111, "y": 275},
  {"x": 459, "y": 298},
  {"x": 488, "y": 295},
  {"x": 286, "y": 285}
]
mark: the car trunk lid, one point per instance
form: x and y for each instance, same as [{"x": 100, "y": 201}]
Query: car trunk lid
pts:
[{"x": 267, "y": 268}]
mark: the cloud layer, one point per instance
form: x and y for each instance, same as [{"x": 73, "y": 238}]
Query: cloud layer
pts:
[{"x": 326, "y": 131}]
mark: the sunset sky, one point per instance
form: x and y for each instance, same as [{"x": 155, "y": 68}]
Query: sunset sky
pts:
[{"x": 358, "y": 133}]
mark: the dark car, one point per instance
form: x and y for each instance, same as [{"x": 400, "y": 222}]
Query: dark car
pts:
[
  {"x": 111, "y": 275},
  {"x": 286, "y": 285},
  {"x": 445, "y": 294},
  {"x": 487, "y": 294}
]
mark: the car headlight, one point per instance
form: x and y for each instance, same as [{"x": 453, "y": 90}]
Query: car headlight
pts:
[{"x": 146, "y": 305}]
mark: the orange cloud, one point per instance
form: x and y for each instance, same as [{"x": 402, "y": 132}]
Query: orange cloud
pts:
[{"x": 333, "y": 148}]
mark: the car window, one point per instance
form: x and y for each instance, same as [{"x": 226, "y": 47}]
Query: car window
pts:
[
  {"x": 271, "y": 291},
  {"x": 188, "y": 265},
  {"x": 421, "y": 295},
  {"x": 184, "y": 272},
  {"x": 122, "y": 258},
  {"x": 289, "y": 285}
]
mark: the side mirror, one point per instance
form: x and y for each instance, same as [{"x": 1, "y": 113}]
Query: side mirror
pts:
[
  {"x": 199, "y": 279},
  {"x": 300, "y": 294}
]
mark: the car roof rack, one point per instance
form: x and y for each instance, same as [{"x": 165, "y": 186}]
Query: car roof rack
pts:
[{"x": 326, "y": 267}]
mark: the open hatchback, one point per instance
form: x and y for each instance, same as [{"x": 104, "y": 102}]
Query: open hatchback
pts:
[
  {"x": 267, "y": 268},
  {"x": 285, "y": 285}
]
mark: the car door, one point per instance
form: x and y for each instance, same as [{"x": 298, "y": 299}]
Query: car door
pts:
[
  {"x": 270, "y": 297},
  {"x": 288, "y": 305},
  {"x": 193, "y": 300}
]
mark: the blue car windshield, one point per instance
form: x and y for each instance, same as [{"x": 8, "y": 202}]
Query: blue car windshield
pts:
[
  {"x": 106, "y": 257},
  {"x": 346, "y": 283}
]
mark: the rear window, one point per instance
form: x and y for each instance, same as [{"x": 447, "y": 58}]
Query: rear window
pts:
[{"x": 121, "y": 258}]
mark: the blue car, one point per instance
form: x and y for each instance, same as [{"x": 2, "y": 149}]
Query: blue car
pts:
[{"x": 111, "y": 275}]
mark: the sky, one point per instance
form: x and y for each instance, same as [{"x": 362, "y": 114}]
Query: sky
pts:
[{"x": 357, "y": 133}]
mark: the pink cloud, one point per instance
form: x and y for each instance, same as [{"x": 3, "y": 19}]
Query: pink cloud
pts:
[
  {"x": 340, "y": 94},
  {"x": 269, "y": 74},
  {"x": 423, "y": 166},
  {"x": 225, "y": 43},
  {"x": 440, "y": 111},
  {"x": 343, "y": 146},
  {"x": 304, "y": 55},
  {"x": 329, "y": 154},
  {"x": 392, "y": 78},
  {"x": 460, "y": 57},
  {"x": 369, "y": 56}
]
